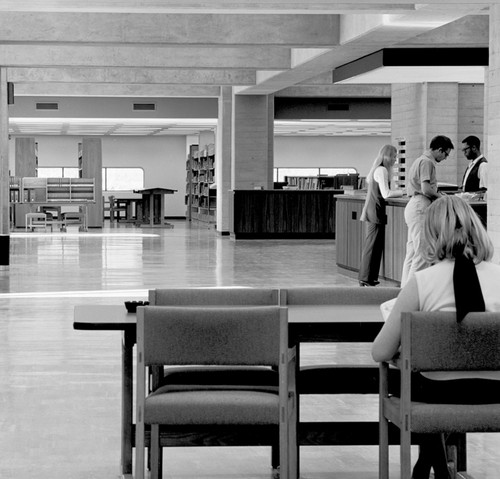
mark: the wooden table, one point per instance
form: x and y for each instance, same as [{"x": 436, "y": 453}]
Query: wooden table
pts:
[
  {"x": 326, "y": 323},
  {"x": 153, "y": 207}
]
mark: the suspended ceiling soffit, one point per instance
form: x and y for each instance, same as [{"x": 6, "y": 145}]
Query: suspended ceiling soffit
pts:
[{"x": 156, "y": 128}]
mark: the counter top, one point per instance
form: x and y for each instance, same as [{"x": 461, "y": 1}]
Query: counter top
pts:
[
  {"x": 401, "y": 201},
  {"x": 294, "y": 191}
]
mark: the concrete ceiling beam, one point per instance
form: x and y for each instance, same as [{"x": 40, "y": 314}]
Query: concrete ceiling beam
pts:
[
  {"x": 214, "y": 6},
  {"x": 115, "y": 90},
  {"x": 217, "y": 6},
  {"x": 339, "y": 91},
  {"x": 131, "y": 75},
  {"x": 36, "y": 55},
  {"x": 170, "y": 29}
]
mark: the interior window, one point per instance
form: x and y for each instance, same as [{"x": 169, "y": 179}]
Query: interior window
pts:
[{"x": 123, "y": 179}]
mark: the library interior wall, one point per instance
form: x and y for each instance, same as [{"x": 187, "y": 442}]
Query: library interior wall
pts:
[
  {"x": 164, "y": 158},
  {"x": 322, "y": 151}
]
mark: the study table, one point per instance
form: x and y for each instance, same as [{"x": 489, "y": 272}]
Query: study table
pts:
[
  {"x": 152, "y": 207},
  {"x": 307, "y": 323}
]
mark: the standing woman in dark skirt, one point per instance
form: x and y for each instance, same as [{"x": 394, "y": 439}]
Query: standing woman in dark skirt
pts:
[{"x": 374, "y": 216}]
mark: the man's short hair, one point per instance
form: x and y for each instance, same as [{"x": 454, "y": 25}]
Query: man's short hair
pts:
[
  {"x": 441, "y": 142},
  {"x": 472, "y": 141}
]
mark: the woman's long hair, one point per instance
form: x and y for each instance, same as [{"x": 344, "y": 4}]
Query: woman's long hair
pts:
[
  {"x": 452, "y": 229},
  {"x": 386, "y": 157}
]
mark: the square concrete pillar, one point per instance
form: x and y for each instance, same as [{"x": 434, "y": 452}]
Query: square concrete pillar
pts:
[
  {"x": 223, "y": 167},
  {"x": 493, "y": 128},
  {"x": 421, "y": 111},
  {"x": 253, "y": 142}
]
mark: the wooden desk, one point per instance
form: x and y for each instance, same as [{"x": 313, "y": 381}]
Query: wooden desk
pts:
[
  {"x": 153, "y": 207},
  {"x": 327, "y": 323},
  {"x": 291, "y": 214}
]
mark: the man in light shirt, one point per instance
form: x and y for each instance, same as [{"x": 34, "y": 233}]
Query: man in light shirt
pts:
[
  {"x": 422, "y": 190},
  {"x": 475, "y": 177}
]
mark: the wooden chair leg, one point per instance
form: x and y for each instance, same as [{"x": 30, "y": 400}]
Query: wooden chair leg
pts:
[
  {"x": 155, "y": 451},
  {"x": 383, "y": 450},
  {"x": 405, "y": 453},
  {"x": 139, "y": 451}
]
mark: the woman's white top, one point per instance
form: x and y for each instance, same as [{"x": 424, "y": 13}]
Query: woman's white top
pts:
[
  {"x": 435, "y": 293},
  {"x": 381, "y": 176}
]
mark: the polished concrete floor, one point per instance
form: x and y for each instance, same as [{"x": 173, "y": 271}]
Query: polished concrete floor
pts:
[{"x": 60, "y": 388}]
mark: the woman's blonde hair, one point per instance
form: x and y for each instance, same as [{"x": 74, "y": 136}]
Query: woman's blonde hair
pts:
[
  {"x": 453, "y": 229},
  {"x": 386, "y": 157}
]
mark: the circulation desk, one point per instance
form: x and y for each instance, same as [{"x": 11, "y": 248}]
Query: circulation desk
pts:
[
  {"x": 284, "y": 214},
  {"x": 350, "y": 233}
]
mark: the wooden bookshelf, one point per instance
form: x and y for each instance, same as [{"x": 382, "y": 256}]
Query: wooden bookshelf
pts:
[
  {"x": 26, "y": 165},
  {"x": 201, "y": 192},
  {"x": 31, "y": 190},
  {"x": 90, "y": 166},
  {"x": 321, "y": 182}
]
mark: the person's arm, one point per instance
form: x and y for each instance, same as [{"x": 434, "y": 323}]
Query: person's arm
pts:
[
  {"x": 427, "y": 173},
  {"x": 429, "y": 191},
  {"x": 388, "y": 340},
  {"x": 381, "y": 176}
]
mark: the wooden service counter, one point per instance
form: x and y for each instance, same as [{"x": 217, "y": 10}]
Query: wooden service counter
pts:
[
  {"x": 292, "y": 214},
  {"x": 350, "y": 234}
]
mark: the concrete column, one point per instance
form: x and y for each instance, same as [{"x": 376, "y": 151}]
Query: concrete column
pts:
[
  {"x": 253, "y": 142},
  {"x": 485, "y": 142},
  {"x": 493, "y": 128},
  {"x": 223, "y": 168},
  {"x": 423, "y": 110},
  {"x": 471, "y": 121},
  {"x": 4, "y": 173}
]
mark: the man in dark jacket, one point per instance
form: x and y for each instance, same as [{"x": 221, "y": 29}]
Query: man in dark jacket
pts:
[{"x": 475, "y": 177}]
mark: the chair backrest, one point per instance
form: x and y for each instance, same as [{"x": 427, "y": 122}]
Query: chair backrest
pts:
[
  {"x": 215, "y": 335},
  {"x": 214, "y": 296},
  {"x": 337, "y": 295},
  {"x": 435, "y": 341}
]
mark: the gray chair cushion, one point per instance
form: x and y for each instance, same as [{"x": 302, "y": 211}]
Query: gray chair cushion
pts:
[
  {"x": 211, "y": 407},
  {"x": 437, "y": 418}
]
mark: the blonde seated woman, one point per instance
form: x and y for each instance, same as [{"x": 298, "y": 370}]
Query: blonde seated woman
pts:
[{"x": 461, "y": 279}]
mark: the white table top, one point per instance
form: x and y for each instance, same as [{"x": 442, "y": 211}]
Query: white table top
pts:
[{"x": 116, "y": 315}]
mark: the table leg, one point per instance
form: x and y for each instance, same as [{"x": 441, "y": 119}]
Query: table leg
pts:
[
  {"x": 85, "y": 216},
  {"x": 162, "y": 210},
  {"x": 151, "y": 210},
  {"x": 129, "y": 213},
  {"x": 127, "y": 401}
]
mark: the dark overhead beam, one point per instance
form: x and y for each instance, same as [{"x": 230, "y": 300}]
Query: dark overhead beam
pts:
[{"x": 412, "y": 57}]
